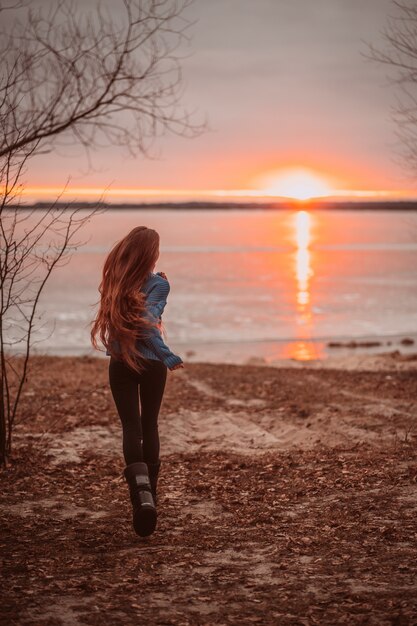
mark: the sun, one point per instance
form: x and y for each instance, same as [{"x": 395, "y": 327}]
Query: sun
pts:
[{"x": 295, "y": 183}]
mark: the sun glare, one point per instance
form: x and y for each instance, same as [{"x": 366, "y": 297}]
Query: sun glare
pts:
[{"x": 298, "y": 184}]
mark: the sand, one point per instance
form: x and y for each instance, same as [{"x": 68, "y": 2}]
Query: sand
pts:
[{"x": 288, "y": 495}]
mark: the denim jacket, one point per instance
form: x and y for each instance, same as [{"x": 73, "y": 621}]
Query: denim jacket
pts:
[{"x": 156, "y": 289}]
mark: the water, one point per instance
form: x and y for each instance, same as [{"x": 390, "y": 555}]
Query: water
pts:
[{"x": 253, "y": 283}]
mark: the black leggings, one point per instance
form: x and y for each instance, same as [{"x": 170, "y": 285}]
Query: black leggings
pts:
[{"x": 140, "y": 425}]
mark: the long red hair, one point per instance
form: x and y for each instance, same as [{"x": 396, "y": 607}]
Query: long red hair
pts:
[{"x": 121, "y": 313}]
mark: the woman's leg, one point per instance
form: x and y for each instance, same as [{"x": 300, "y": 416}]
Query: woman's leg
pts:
[
  {"x": 151, "y": 390},
  {"x": 124, "y": 387}
]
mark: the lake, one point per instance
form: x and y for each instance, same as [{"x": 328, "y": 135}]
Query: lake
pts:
[{"x": 253, "y": 283}]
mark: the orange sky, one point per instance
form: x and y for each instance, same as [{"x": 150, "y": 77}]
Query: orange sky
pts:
[{"x": 293, "y": 108}]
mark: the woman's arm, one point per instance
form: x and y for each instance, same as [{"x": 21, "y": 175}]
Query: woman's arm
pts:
[{"x": 156, "y": 302}]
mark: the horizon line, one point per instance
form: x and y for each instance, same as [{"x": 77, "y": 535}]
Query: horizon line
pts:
[{"x": 38, "y": 194}]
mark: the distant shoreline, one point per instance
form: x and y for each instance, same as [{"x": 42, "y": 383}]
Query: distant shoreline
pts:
[
  {"x": 323, "y": 350},
  {"x": 374, "y": 205}
]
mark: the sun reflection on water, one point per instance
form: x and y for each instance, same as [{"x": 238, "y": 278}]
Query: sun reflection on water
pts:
[
  {"x": 304, "y": 348},
  {"x": 303, "y": 264}
]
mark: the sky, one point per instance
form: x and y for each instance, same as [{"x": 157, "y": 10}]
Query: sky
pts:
[{"x": 294, "y": 108}]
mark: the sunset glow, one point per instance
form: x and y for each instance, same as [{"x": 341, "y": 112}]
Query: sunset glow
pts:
[
  {"x": 298, "y": 184},
  {"x": 281, "y": 134}
]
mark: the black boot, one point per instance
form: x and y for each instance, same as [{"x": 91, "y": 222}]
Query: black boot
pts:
[
  {"x": 144, "y": 510},
  {"x": 153, "y": 469}
]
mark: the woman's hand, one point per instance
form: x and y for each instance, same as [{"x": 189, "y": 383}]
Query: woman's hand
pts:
[
  {"x": 177, "y": 366},
  {"x": 163, "y": 275}
]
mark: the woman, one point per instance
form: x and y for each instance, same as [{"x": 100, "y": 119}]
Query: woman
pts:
[{"x": 129, "y": 325}]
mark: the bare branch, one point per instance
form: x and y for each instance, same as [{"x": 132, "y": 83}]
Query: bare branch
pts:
[
  {"x": 400, "y": 56},
  {"x": 97, "y": 78}
]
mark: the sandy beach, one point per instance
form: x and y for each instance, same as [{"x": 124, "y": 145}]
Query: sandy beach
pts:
[{"x": 288, "y": 495}]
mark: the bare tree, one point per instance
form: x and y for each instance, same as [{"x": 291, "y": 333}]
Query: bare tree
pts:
[
  {"x": 33, "y": 243},
  {"x": 70, "y": 73},
  {"x": 99, "y": 77},
  {"x": 400, "y": 56}
]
